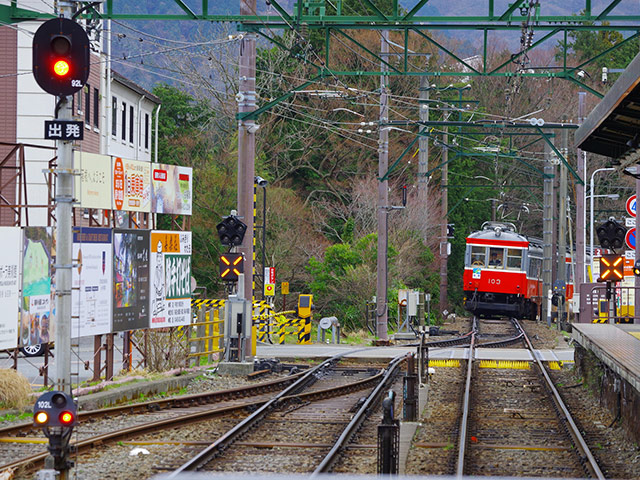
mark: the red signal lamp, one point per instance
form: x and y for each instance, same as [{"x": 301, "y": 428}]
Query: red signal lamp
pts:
[
  {"x": 66, "y": 418},
  {"x": 61, "y": 68}
]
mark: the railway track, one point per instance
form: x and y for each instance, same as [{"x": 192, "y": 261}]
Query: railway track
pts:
[
  {"x": 298, "y": 438},
  {"x": 507, "y": 421}
]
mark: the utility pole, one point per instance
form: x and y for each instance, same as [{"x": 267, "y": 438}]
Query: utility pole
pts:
[
  {"x": 247, "y": 147},
  {"x": 383, "y": 198},
  {"x": 443, "y": 219},
  {"x": 423, "y": 146},
  {"x": 580, "y": 206},
  {"x": 63, "y": 266},
  {"x": 547, "y": 230},
  {"x": 562, "y": 223}
]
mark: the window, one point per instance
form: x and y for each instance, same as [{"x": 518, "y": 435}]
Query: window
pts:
[
  {"x": 535, "y": 267},
  {"x": 87, "y": 105},
  {"x": 146, "y": 131},
  {"x": 124, "y": 121},
  {"x": 96, "y": 109},
  {"x": 131, "y": 124},
  {"x": 79, "y": 100},
  {"x": 478, "y": 256},
  {"x": 114, "y": 116},
  {"x": 496, "y": 257},
  {"x": 514, "y": 258}
]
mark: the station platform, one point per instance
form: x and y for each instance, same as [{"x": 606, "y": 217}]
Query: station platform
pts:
[
  {"x": 617, "y": 346},
  {"x": 322, "y": 351}
]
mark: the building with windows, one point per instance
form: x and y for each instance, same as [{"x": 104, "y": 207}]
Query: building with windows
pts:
[{"x": 117, "y": 116}]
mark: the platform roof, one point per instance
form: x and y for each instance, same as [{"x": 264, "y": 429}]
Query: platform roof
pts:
[{"x": 616, "y": 119}]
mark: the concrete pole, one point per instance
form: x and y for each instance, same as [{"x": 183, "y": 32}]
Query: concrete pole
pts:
[
  {"x": 423, "y": 146},
  {"x": 443, "y": 224},
  {"x": 247, "y": 147},
  {"x": 383, "y": 200},
  {"x": 64, "y": 205},
  {"x": 547, "y": 230},
  {"x": 581, "y": 208}
]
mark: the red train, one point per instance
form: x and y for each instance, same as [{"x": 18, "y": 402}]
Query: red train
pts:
[{"x": 503, "y": 272}]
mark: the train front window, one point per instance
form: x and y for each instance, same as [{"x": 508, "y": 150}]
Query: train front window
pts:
[
  {"x": 496, "y": 257},
  {"x": 514, "y": 258},
  {"x": 478, "y": 256}
]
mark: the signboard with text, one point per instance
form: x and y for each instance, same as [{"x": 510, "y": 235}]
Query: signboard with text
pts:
[
  {"x": 131, "y": 185},
  {"x": 9, "y": 286},
  {"x": 91, "y": 282},
  {"x": 171, "y": 189},
  {"x": 170, "y": 275},
  {"x": 94, "y": 184}
]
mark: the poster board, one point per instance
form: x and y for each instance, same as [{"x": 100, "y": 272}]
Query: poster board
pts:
[
  {"x": 92, "y": 282},
  {"x": 37, "y": 308},
  {"x": 9, "y": 285},
  {"x": 130, "y": 279},
  {"x": 94, "y": 184},
  {"x": 170, "y": 274},
  {"x": 131, "y": 185},
  {"x": 171, "y": 188}
]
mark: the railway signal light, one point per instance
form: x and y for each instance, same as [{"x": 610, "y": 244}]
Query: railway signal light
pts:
[
  {"x": 611, "y": 235},
  {"x": 54, "y": 409},
  {"x": 636, "y": 268},
  {"x": 611, "y": 268},
  {"x": 231, "y": 231},
  {"x": 231, "y": 266},
  {"x": 61, "y": 56}
]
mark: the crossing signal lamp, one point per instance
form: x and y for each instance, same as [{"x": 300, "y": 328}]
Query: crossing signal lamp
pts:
[
  {"x": 636, "y": 268},
  {"x": 611, "y": 268},
  {"x": 231, "y": 231},
  {"x": 231, "y": 266},
  {"x": 611, "y": 235},
  {"x": 61, "y": 56}
]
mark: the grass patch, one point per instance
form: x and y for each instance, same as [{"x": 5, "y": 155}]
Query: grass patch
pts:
[
  {"x": 10, "y": 417},
  {"x": 15, "y": 389}
]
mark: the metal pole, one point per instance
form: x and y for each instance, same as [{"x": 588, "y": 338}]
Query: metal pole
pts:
[
  {"x": 383, "y": 200},
  {"x": 443, "y": 220},
  {"x": 562, "y": 224},
  {"x": 547, "y": 230},
  {"x": 636, "y": 299},
  {"x": 264, "y": 234},
  {"x": 423, "y": 147},
  {"x": 63, "y": 200},
  {"x": 247, "y": 145},
  {"x": 581, "y": 230}
]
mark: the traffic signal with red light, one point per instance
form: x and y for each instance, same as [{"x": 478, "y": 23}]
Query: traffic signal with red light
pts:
[
  {"x": 231, "y": 266},
  {"x": 611, "y": 268},
  {"x": 611, "y": 235},
  {"x": 61, "y": 56},
  {"x": 54, "y": 409},
  {"x": 231, "y": 231}
]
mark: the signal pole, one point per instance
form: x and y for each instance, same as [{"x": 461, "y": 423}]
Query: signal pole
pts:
[
  {"x": 63, "y": 266},
  {"x": 443, "y": 221}
]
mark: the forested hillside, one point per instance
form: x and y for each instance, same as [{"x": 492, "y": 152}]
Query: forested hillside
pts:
[{"x": 319, "y": 149}]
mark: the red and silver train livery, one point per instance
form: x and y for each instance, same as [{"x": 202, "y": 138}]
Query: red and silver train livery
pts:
[{"x": 503, "y": 272}]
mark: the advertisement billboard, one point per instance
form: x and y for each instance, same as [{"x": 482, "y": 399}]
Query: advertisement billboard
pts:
[
  {"x": 171, "y": 189},
  {"x": 130, "y": 279},
  {"x": 131, "y": 185},
  {"x": 94, "y": 184},
  {"x": 37, "y": 307},
  {"x": 92, "y": 282},
  {"x": 9, "y": 287},
  {"x": 170, "y": 274}
]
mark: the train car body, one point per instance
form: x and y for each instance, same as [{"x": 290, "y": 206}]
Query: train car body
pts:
[{"x": 503, "y": 272}]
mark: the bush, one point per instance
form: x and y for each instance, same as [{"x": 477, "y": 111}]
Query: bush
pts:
[{"x": 15, "y": 389}]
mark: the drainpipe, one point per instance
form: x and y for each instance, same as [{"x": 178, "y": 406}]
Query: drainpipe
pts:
[
  {"x": 137, "y": 145},
  {"x": 108, "y": 102},
  {"x": 155, "y": 149}
]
